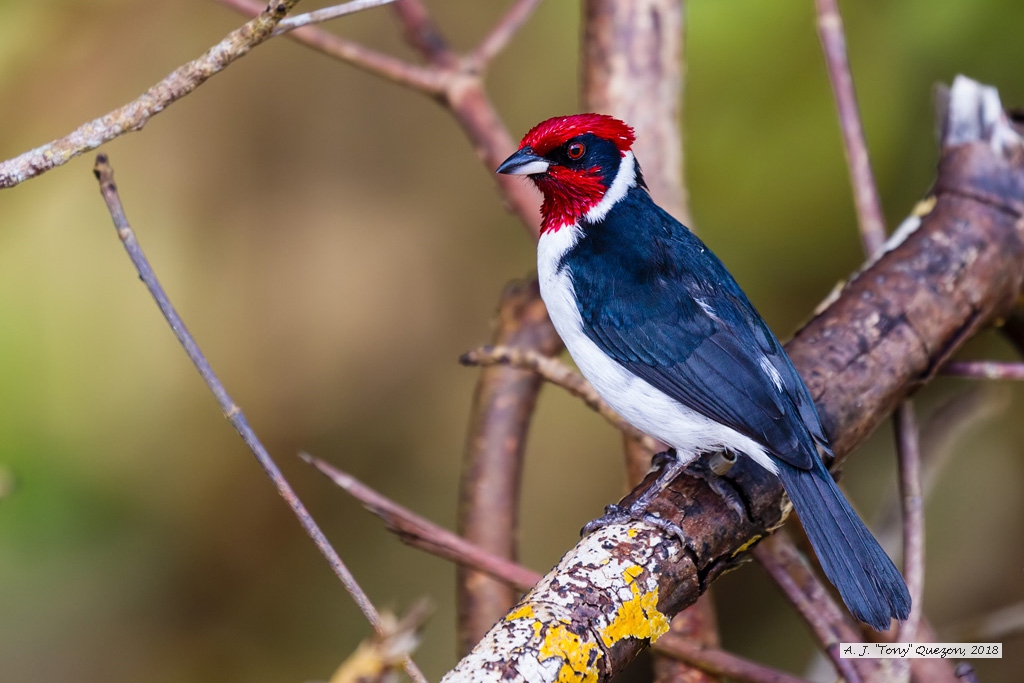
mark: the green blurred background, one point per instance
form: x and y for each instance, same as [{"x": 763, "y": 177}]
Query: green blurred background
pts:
[{"x": 334, "y": 245}]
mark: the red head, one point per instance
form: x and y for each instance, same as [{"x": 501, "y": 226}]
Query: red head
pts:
[{"x": 573, "y": 160}]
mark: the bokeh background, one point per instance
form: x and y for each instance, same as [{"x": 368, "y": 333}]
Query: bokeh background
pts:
[{"x": 334, "y": 245}]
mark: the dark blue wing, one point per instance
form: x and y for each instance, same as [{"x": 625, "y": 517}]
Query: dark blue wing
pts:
[{"x": 655, "y": 299}]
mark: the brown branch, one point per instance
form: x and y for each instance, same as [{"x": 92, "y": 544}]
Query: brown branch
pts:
[
  {"x": 422, "y": 33},
  {"x": 865, "y": 193},
  {"x": 134, "y": 115},
  {"x": 558, "y": 373},
  {"x": 492, "y": 463},
  {"x": 426, "y": 79},
  {"x": 829, "y": 624},
  {"x": 985, "y": 369},
  {"x": 500, "y": 36},
  {"x": 909, "y": 454},
  {"x": 105, "y": 175},
  {"x": 419, "y": 532},
  {"x": 719, "y": 662}
]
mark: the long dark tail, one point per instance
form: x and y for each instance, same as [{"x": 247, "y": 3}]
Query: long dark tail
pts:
[{"x": 870, "y": 585}]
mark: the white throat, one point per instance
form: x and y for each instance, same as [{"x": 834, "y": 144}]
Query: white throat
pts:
[{"x": 625, "y": 178}]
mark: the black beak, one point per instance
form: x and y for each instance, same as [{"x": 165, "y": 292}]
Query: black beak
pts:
[{"x": 524, "y": 162}]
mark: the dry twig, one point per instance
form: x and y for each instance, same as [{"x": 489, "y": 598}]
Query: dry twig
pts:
[
  {"x": 105, "y": 175},
  {"x": 913, "y": 515},
  {"x": 865, "y": 193},
  {"x": 558, "y": 373},
  {"x": 420, "y": 532}
]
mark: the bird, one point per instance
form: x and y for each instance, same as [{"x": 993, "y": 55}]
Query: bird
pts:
[{"x": 667, "y": 338}]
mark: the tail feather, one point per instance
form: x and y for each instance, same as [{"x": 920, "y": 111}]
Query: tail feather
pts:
[{"x": 869, "y": 583}]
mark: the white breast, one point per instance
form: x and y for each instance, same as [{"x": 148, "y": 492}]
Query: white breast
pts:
[{"x": 639, "y": 403}]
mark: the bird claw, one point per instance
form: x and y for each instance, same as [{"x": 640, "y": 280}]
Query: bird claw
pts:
[{"x": 616, "y": 514}]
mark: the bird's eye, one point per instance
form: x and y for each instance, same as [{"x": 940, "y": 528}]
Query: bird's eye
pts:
[{"x": 576, "y": 150}]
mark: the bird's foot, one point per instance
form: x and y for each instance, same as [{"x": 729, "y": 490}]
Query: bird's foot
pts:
[
  {"x": 616, "y": 514},
  {"x": 668, "y": 466}
]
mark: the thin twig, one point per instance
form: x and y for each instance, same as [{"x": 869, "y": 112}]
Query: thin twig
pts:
[
  {"x": 909, "y": 453},
  {"x": 326, "y": 14},
  {"x": 783, "y": 562},
  {"x": 503, "y": 32},
  {"x": 420, "y": 532},
  {"x": 399, "y": 71},
  {"x": 422, "y": 33},
  {"x": 865, "y": 193},
  {"x": 720, "y": 662},
  {"x": 985, "y": 369},
  {"x": 558, "y": 373},
  {"x": 105, "y": 175},
  {"x": 134, "y": 115}
]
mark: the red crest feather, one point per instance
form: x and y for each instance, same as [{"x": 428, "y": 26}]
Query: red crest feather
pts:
[{"x": 547, "y": 135}]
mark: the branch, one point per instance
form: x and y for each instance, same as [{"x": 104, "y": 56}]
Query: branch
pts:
[
  {"x": 105, "y": 175},
  {"x": 420, "y": 532},
  {"x": 500, "y": 36},
  {"x": 558, "y": 373},
  {"x": 985, "y": 369},
  {"x": 424, "y": 79},
  {"x": 719, "y": 662},
  {"x": 909, "y": 454},
  {"x": 881, "y": 338},
  {"x": 503, "y": 405},
  {"x": 134, "y": 115},
  {"x": 326, "y": 14},
  {"x": 865, "y": 193}
]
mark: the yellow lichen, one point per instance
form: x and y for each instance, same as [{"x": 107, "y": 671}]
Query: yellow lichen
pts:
[
  {"x": 746, "y": 546},
  {"x": 524, "y": 611},
  {"x": 579, "y": 659},
  {"x": 639, "y": 616}
]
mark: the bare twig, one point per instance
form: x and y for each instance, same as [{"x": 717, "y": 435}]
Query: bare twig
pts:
[
  {"x": 865, "y": 193},
  {"x": 913, "y": 515},
  {"x": 501, "y": 34},
  {"x": 719, "y": 662},
  {"x": 422, "y": 33},
  {"x": 558, "y": 373},
  {"x": 399, "y": 71},
  {"x": 783, "y": 562},
  {"x": 419, "y": 532},
  {"x": 134, "y": 115},
  {"x": 985, "y": 369},
  {"x": 105, "y": 174},
  {"x": 326, "y": 14}
]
